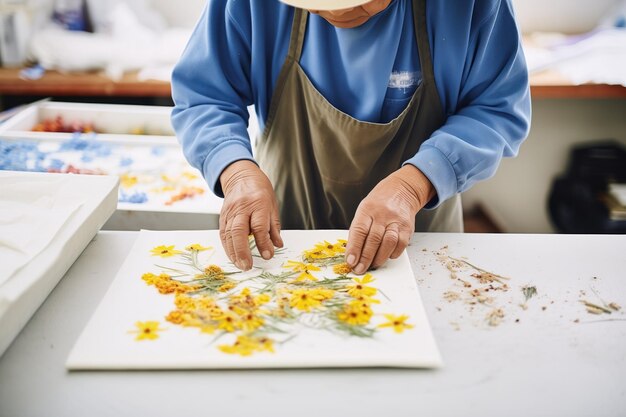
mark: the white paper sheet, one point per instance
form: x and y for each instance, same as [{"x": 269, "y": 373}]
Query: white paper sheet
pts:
[
  {"x": 109, "y": 340},
  {"x": 31, "y": 215}
]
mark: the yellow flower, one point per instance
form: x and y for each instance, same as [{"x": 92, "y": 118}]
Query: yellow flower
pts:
[
  {"x": 150, "y": 278},
  {"x": 147, "y": 330},
  {"x": 196, "y": 247},
  {"x": 184, "y": 302},
  {"x": 228, "y": 323},
  {"x": 261, "y": 299},
  {"x": 325, "y": 250},
  {"x": 335, "y": 248},
  {"x": 307, "y": 299},
  {"x": 397, "y": 322},
  {"x": 300, "y": 266},
  {"x": 190, "y": 176},
  {"x": 304, "y": 268},
  {"x": 205, "y": 303},
  {"x": 313, "y": 254},
  {"x": 175, "y": 317},
  {"x": 250, "y": 322},
  {"x": 355, "y": 314},
  {"x": 246, "y": 346},
  {"x": 363, "y": 299},
  {"x": 164, "y": 251},
  {"x": 208, "y": 329},
  {"x": 360, "y": 289},
  {"x": 322, "y": 293},
  {"x": 213, "y": 271},
  {"x": 342, "y": 269},
  {"x": 165, "y": 189},
  {"x": 127, "y": 181},
  {"x": 227, "y": 287},
  {"x": 166, "y": 285}
]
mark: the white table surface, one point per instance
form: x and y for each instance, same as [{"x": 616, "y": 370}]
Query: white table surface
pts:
[{"x": 544, "y": 365}]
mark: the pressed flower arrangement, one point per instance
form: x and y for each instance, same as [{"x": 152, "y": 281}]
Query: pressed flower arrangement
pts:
[{"x": 266, "y": 310}]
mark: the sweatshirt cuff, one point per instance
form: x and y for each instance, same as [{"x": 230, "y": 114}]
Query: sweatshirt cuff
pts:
[
  {"x": 221, "y": 157},
  {"x": 438, "y": 169}
]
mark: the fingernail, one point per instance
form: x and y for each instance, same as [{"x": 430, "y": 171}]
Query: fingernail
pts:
[
  {"x": 266, "y": 254},
  {"x": 360, "y": 268},
  {"x": 351, "y": 260}
]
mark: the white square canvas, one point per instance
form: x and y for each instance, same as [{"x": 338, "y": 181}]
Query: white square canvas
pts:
[{"x": 281, "y": 314}]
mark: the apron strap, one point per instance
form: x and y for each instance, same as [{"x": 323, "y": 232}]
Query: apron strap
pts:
[
  {"x": 296, "y": 41},
  {"x": 423, "y": 43},
  {"x": 298, "y": 29}
]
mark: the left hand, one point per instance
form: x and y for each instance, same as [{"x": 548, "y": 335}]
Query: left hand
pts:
[{"x": 385, "y": 219}]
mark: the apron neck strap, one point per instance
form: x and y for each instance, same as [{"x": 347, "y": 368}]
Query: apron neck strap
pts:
[
  {"x": 298, "y": 29},
  {"x": 423, "y": 43}
]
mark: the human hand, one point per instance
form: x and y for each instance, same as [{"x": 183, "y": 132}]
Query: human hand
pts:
[
  {"x": 385, "y": 219},
  {"x": 249, "y": 207}
]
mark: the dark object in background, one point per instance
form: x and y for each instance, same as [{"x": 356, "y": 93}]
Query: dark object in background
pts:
[
  {"x": 576, "y": 201},
  {"x": 72, "y": 15}
]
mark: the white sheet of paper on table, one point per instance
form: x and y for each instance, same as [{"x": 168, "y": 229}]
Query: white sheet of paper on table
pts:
[
  {"x": 32, "y": 212},
  {"x": 107, "y": 344}
]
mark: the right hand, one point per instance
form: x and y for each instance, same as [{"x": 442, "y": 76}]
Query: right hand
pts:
[{"x": 250, "y": 207}]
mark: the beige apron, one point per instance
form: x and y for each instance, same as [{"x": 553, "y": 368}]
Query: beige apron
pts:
[{"x": 323, "y": 162}]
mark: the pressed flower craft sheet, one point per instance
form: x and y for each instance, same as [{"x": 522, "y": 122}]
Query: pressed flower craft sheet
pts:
[{"x": 178, "y": 303}]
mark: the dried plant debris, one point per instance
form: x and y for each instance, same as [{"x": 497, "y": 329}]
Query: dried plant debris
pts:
[
  {"x": 451, "y": 296},
  {"x": 600, "y": 308},
  {"x": 529, "y": 292},
  {"x": 615, "y": 307},
  {"x": 475, "y": 287},
  {"x": 495, "y": 317}
]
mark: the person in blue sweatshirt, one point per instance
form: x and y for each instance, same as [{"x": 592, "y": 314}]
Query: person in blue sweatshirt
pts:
[{"x": 375, "y": 115}]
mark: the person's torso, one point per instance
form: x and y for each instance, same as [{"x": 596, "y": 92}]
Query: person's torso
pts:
[{"x": 369, "y": 72}]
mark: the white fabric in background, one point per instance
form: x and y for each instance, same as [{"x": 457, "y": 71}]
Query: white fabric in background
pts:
[
  {"x": 30, "y": 217},
  {"x": 123, "y": 43}
]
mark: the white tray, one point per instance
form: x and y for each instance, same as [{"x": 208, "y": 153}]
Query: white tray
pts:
[
  {"x": 110, "y": 119},
  {"x": 27, "y": 288},
  {"x": 158, "y": 166}
]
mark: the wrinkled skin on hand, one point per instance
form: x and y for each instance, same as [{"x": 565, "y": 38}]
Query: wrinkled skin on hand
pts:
[
  {"x": 385, "y": 220},
  {"x": 250, "y": 207}
]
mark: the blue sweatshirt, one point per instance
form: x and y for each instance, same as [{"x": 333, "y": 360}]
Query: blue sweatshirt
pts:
[{"x": 370, "y": 72}]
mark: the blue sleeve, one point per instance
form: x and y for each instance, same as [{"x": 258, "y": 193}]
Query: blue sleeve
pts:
[
  {"x": 211, "y": 89},
  {"x": 492, "y": 115}
]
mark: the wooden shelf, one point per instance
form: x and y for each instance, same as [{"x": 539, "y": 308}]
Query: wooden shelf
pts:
[
  {"x": 549, "y": 84},
  {"x": 545, "y": 85},
  {"x": 57, "y": 84}
]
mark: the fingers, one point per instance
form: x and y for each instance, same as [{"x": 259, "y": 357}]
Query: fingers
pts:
[
  {"x": 404, "y": 238},
  {"x": 359, "y": 229},
  {"x": 225, "y": 237},
  {"x": 249, "y": 207},
  {"x": 372, "y": 243},
  {"x": 390, "y": 240},
  {"x": 277, "y": 240},
  {"x": 260, "y": 225},
  {"x": 239, "y": 232}
]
